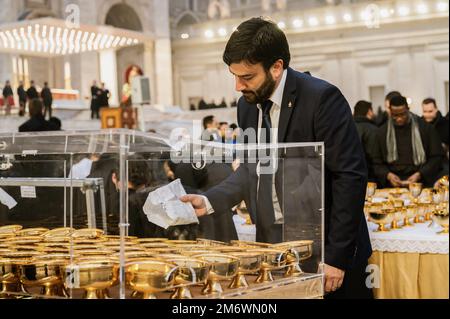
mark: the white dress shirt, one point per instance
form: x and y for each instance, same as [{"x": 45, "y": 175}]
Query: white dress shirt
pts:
[{"x": 275, "y": 111}]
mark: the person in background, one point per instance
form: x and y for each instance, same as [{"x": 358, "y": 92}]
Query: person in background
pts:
[
  {"x": 95, "y": 92},
  {"x": 32, "y": 93},
  {"x": 408, "y": 149},
  {"x": 383, "y": 117},
  {"x": 22, "y": 99},
  {"x": 211, "y": 132},
  {"x": 8, "y": 97},
  {"x": 37, "y": 122},
  {"x": 433, "y": 116},
  {"x": 47, "y": 98},
  {"x": 367, "y": 131},
  {"x": 224, "y": 132},
  {"x": 104, "y": 97}
]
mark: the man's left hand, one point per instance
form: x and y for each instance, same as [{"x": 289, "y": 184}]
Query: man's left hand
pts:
[
  {"x": 415, "y": 178},
  {"x": 334, "y": 278}
]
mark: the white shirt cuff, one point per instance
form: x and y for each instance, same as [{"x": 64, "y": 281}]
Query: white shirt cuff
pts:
[{"x": 209, "y": 208}]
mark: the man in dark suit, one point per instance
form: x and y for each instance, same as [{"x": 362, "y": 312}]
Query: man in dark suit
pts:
[
  {"x": 296, "y": 107},
  {"x": 47, "y": 98},
  {"x": 22, "y": 98}
]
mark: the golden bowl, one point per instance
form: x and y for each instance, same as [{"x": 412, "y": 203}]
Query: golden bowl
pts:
[
  {"x": 226, "y": 249},
  {"x": 249, "y": 244},
  {"x": 44, "y": 273},
  {"x": 9, "y": 276},
  {"x": 182, "y": 242},
  {"x": 249, "y": 263},
  {"x": 88, "y": 233},
  {"x": 95, "y": 276},
  {"x": 151, "y": 240},
  {"x": 11, "y": 229},
  {"x": 150, "y": 276},
  {"x": 223, "y": 267},
  {"x": 154, "y": 245},
  {"x": 296, "y": 252},
  {"x": 209, "y": 242},
  {"x": 274, "y": 259},
  {"x": 190, "y": 271},
  {"x": 31, "y": 232},
  {"x": 195, "y": 252},
  {"x": 59, "y": 232},
  {"x": 381, "y": 219},
  {"x": 23, "y": 240}
]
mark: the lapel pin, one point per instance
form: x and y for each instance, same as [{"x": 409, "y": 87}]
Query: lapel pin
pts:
[{"x": 290, "y": 105}]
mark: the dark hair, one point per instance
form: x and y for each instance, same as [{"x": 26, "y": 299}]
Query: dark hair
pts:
[
  {"x": 56, "y": 123},
  {"x": 45, "y": 83},
  {"x": 392, "y": 95},
  {"x": 36, "y": 107},
  {"x": 398, "y": 101},
  {"x": 362, "y": 108},
  {"x": 258, "y": 40},
  {"x": 233, "y": 126},
  {"x": 207, "y": 121},
  {"x": 430, "y": 100},
  {"x": 223, "y": 123}
]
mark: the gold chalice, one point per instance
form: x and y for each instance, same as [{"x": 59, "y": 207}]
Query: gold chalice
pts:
[
  {"x": 441, "y": 217},
  {"x": 381, "y": 218},
  {"x": 398, "y": 213},
  {"x": 371, "y": 189},
  {"x": 249, "y": 263},
  {"x": 274, "y": 259},
  {"x": 95, "y": 276},
  {"x": 223, "y": 267},
  {"x": 150, "y": 276},
  {"x": 191, "y": 271},
  {"x": 415, "y": 189},
  {"x": 296, "y": 252}
]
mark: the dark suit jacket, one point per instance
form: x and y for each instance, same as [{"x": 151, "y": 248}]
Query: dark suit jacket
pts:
[
  {"x": 38, "y": 124},
  {"x": 318, "y": 113}
]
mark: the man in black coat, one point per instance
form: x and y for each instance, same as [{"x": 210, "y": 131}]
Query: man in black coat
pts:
[
  {"x": 22, "y": 98},
  {"x": 37, "y": 122},
  {"x": 367, "y": 130},
  {"x": 309, "y": 110},
  {"x": 8, "y": 97},
  {"x": 409, "y": 150},
  {"x": 32, "y": 93},
  {"x": 47, "y": 98},
  {"x": 95, "y": 103}
]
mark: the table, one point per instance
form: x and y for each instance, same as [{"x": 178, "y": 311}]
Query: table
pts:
[{"x": 413, "y": 262}]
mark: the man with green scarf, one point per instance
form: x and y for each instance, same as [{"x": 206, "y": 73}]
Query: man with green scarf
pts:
[{"x": 408, "y": 149}]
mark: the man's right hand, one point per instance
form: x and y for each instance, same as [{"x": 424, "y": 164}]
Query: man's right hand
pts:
[
  {"x": 198, "y": 202},
  {"x": 394, "y": 180}
]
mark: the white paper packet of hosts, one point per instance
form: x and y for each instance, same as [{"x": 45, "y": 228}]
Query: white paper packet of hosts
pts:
[{"x": 164, "y": 208}]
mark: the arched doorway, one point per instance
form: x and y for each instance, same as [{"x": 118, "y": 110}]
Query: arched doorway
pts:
[{"x": 124, "y": 16}]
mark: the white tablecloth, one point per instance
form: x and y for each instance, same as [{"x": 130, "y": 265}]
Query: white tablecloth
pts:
[{"x": 417, "y": 239}]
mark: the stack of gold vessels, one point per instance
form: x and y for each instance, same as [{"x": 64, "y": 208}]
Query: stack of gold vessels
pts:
[
  {"x": 65, "y": 262},
  {"x": 400, "y": 207}
]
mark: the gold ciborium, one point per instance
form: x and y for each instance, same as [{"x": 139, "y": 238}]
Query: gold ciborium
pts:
[
  {"x": 296, "y": 252},
  {"x": 371, "y": 189},
  {"x": 381, "y": 218},
  {"x": 398, "y": 213},
  {"x": 249, "y": 264},
  {"x": 441, "y": 217},
  {"x": 274, "y": 259},
  {"x": 191, "y": 271},
  {"x": 223, "y": 267},
  {"x": 95, "y": 276},
  {"x": 150, "y": 276},
  {"x": 45, "y": 274}
]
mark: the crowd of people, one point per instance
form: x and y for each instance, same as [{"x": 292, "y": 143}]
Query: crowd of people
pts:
[
  {"x": 402, "y": 147},
  {"x": 26, "y": 96}
]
